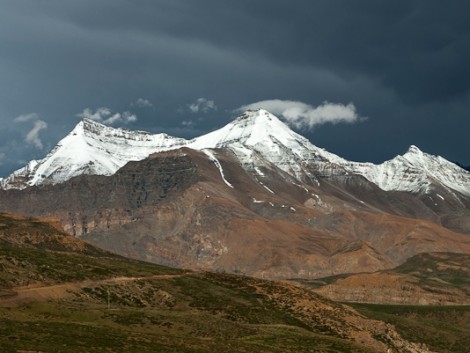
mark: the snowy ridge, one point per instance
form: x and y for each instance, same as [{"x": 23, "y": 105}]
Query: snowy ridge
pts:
[
  {"x": 415, "y": 171},
  {"x": 90, "y": 148},
  {"x": 257, "y": 138}
]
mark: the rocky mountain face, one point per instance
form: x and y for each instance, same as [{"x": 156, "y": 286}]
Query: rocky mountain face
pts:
[{"x": 253, "y": 197}]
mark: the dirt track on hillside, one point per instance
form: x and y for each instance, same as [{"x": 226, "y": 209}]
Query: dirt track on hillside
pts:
[{"x": 31, "y": 293}]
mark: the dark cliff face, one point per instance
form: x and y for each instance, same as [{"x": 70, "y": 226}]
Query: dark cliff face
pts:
[{"x": 106, "y": 198}]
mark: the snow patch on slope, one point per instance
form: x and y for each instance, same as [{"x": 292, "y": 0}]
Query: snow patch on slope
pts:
[{"x": 212, "y": 157}]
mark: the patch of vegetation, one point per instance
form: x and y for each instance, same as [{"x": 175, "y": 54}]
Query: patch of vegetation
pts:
[
  {"x": 438, "y": 269},
  {"x": 443, "y": 328},
  {"x": 23, "y": 265},
  {"x": 81, "y": 327},
  {"x": 236, "y": 303}
]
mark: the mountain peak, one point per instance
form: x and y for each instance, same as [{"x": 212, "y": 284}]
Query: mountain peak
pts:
[
  {"x": 258, "y": 117},
  {"x": 416, "y": 171},
  {"x": 261, "y": 132},
  {"x": 89, "y": 127},
  {"x": 90, "y": 148},
  {"x": 86, "y": 124},
  {"x": 414, "y": 149},
  {"x": 257, "y": 114},
  {"x": 415, "y": 156},
  {"x": 418, "y": 158},
  {"x": 251, "y": 128}
]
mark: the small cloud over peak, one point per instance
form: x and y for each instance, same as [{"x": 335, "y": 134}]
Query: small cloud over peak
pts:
[
  {"x": 188, "y": 123},
  {"x": 304, "y": 116},
  {"x": 142, "y": 103},
  {"x": 106, "y": 116},
  {"x": 99, "y": 114},
  {"x": 202, "y": 105},
  {"x": 26, "y": 117},
  {"x": 32, "y": 136}
]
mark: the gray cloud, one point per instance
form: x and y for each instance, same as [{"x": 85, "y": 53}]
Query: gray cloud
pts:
[{"x": 403, "y": 63}]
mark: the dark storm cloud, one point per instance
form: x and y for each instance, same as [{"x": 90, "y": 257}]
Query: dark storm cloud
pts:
[
  {"x": 403, "y": 64},
  {"x": 399, "y": 43}
]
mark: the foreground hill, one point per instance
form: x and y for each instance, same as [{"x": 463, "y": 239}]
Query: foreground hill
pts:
[{"x": 80, "y": 299}]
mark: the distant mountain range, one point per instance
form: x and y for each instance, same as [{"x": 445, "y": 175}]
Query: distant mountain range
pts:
[
  {"x": 253, "y": 197},
  {"x": 256, "y": 138}
]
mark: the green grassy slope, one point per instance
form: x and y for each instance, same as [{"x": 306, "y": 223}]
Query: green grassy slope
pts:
[
  {"x": 444, "y": 328},
  {"x": 184, "y": 312}
]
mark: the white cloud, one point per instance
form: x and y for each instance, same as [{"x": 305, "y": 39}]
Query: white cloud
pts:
[
  {"x": 106, "y": 116},
  {"x": 32, "y": 137},
  {"x": 305, "y": 116},
  {"x": 99, "y": 115},
  {"x": 142, "y": 103},
  {"x": 26, "y": 117},
  {"x": 188, "y": 123},
  {"x": 202, "y": 105},
  {"x": 117, "y": 118}
]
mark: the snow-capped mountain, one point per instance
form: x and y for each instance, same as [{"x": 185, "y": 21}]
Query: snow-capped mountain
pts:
[
  {"x": 257, "y": 138},
  {"x": 90, "y": 148},
  {"x": 253, "y": 196},
  {"x": 415, "y": 171}
]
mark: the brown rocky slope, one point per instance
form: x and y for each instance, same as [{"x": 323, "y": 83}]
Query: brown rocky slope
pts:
[{"x": 424, "y": 279}]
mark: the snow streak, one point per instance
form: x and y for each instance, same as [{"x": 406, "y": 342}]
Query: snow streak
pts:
[{"x": 218, "y": 165}]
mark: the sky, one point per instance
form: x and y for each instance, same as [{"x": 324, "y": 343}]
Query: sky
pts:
[{"x": 364, "y": 79}]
